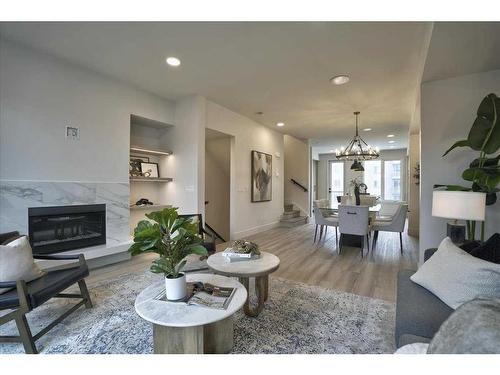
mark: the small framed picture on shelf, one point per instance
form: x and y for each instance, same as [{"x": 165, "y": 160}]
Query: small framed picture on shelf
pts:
[
  {"x": 134, "y": 169},
  {"x": 149, "y": 170}
]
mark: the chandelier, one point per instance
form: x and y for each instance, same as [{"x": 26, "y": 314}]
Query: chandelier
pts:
[{"x": 357, "y": 149}]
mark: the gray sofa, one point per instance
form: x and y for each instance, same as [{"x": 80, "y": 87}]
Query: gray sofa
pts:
[{"x": 419, "y": 313}]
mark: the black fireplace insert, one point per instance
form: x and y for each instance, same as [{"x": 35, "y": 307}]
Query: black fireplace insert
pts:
[{"x": 61, "y": 228}]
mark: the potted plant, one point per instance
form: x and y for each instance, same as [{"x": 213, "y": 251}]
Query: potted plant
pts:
[
  {"x": 173, "y": 239},
  {"x": 484, "y": 171}
]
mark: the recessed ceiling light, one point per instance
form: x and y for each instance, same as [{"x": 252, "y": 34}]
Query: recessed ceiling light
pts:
[
  {"x": 280, "y": 124},
  {"x": 390, "y": 136},
  {"x": 332, "y": 151},
  {"x": 173, "y": 61},
  {"x": 367, "y": 129},
  {"x": 340, "y": 79},
  {"x": 260, "y": 113},
  {"x": 392, "y": 141}
]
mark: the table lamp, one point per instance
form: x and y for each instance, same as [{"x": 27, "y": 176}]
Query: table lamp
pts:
[{"x": 458, "y": 205}]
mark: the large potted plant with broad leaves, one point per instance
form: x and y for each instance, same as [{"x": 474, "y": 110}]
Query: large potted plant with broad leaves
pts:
[
  {"x": 484, "y": 171},
  {"x": 173, "y": 239}
]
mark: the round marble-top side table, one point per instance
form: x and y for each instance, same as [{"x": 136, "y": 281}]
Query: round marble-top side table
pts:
[
  {"x": 256, "y": 268},
  {"x": 179, "y": 328}
]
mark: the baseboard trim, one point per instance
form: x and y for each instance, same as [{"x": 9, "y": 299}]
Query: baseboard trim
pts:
[
  {"x": 413, "y": 232},
  {"x": 255, "y": 230}
]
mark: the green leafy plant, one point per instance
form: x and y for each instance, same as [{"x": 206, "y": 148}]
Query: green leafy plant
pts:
[
  {"x": 484, "y": 171},
  {"x": 171, "y": 237}
]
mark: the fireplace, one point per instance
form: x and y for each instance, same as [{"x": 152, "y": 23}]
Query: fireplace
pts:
[{"x": 61, "y": 228}]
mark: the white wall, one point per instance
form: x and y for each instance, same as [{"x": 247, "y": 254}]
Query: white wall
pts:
[
  {"x": 246, "y": 217},
  {"x": 413, "y": 188},
  {"x": 218, "y": 184},
  {"x": 448, "y": 111},
  {"x": 297, "y": 165},
  {"x": 186, "y": 164},
  {"x": 323, "y": 173},
  {"x": 40, "y": 95}
]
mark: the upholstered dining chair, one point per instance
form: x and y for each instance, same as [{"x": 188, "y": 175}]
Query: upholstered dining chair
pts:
[
  {"x": 354, "y": 220},
  {"x": 395, "y": 224},
  {"x": 323, "y": 222}
]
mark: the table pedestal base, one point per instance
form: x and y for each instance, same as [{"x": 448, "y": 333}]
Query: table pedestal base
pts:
[
  {"x": 261, "y": 291},
  {"x": 211, "y": 338}
]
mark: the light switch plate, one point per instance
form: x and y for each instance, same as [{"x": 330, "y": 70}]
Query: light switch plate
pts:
[{"x": 72, "y": 133}]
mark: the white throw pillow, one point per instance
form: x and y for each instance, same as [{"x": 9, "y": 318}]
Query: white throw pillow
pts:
[
  {"x": 415, "y": 348},
  {"x": 457, "y": 277},
  {"x": 16, "y": 262}
]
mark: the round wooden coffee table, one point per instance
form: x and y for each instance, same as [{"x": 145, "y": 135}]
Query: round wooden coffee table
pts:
[
  {"x": 259, "y": 269},
  {"x": 179, "y": 328}
]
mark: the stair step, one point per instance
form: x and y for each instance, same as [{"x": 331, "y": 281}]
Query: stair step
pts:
[
  {"x": 288, "y": 207},
  {"x": 293, "y": 221},
  {"x": 290, "y": 214}
]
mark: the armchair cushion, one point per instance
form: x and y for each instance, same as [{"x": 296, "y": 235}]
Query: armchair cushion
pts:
[
  {"x": 46, "y": 287},
  {"x": 16, "y": 262}
]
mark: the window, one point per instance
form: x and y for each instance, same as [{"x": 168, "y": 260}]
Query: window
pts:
[
  {"x": 392, "y": 180},
  {"x": 336, "y": 187},
  {"x": 373, "y": 176}
]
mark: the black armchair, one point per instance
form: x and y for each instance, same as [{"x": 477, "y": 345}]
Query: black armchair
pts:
[{"x": 26, "y": 297}]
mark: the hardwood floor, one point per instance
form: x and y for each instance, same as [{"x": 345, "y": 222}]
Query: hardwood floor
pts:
[{"x": 374, "y": 275}]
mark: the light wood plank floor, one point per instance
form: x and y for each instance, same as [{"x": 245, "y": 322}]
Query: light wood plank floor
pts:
[{"x": 316, "y": 264}]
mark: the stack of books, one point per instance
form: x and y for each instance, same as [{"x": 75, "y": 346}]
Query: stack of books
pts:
[{"x": 230, "y": 255}]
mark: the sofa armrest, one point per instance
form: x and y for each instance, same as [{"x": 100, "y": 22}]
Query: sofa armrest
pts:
[{"x": 428, "y": 253}]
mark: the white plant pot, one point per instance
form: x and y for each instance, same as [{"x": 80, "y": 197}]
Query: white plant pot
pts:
[{"x": 176, "y": 288}]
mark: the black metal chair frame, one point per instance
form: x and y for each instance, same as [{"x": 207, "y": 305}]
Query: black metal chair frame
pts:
[
  {"x": 201, "y": 229},
  {"x": 19, "y": 313}
]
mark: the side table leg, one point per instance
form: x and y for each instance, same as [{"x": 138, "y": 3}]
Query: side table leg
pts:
[
  {"x": 266, "y": 287},
  {"x": 173, "y": 340},
  {"x": 260, "y": 291}
]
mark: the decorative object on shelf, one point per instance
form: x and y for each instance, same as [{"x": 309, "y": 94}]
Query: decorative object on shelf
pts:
[
  {"x": 458, "y": 205},
  {"x": 134, "y": 169},
  {"x": 484, "y": 171},
  {"x": 173, "y": 239},
  {"x": 262, "y": 173},
  {"x": 416, "y": 174},
  {"x": 143, "y": 202},
  {"x": 357, "y": 149},
  {"x": 149, "y": 170},
  {"x": 363, "y": 188}
]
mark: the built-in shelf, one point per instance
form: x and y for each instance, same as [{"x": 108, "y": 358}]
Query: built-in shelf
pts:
[
  {"x": 150, "y": 206},
  {"x": 150, "y": 179},
  {"x": 149, "y": 151}
]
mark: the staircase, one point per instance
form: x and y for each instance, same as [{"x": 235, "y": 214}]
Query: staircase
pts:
[{"x": 291, "y": 217}]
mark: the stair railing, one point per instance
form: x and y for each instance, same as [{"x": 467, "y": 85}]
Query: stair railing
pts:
[{"x": 298, "y": 184}]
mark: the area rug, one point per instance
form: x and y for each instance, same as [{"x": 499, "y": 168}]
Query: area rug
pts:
[{"x": 297, "y": 318}]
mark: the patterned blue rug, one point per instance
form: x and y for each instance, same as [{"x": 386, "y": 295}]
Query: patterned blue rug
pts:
[{"x": 297, "y": 318}]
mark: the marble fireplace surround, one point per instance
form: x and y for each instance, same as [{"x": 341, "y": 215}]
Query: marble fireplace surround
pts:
[{"x": 17, "y": 196}]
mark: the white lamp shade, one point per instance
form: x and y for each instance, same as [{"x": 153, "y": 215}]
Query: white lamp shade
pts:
[{"x": 460, "y": 205}]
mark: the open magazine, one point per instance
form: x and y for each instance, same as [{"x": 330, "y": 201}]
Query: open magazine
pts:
[{"x": 205, "y": 295}]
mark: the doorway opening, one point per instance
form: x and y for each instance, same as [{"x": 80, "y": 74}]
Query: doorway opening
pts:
[{"x": 218, "y": 184}]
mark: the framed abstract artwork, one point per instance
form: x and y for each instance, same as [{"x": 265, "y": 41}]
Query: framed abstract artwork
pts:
[{"x": 262, "y": 177}]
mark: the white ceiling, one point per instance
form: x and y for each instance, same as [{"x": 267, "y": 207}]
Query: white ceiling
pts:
[
  {"x": 279, "y": 68},
  {"x": 460, "y": 48}
]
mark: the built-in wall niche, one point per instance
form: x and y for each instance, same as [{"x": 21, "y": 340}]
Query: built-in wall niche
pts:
[{"x": 149, "y": 144}]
